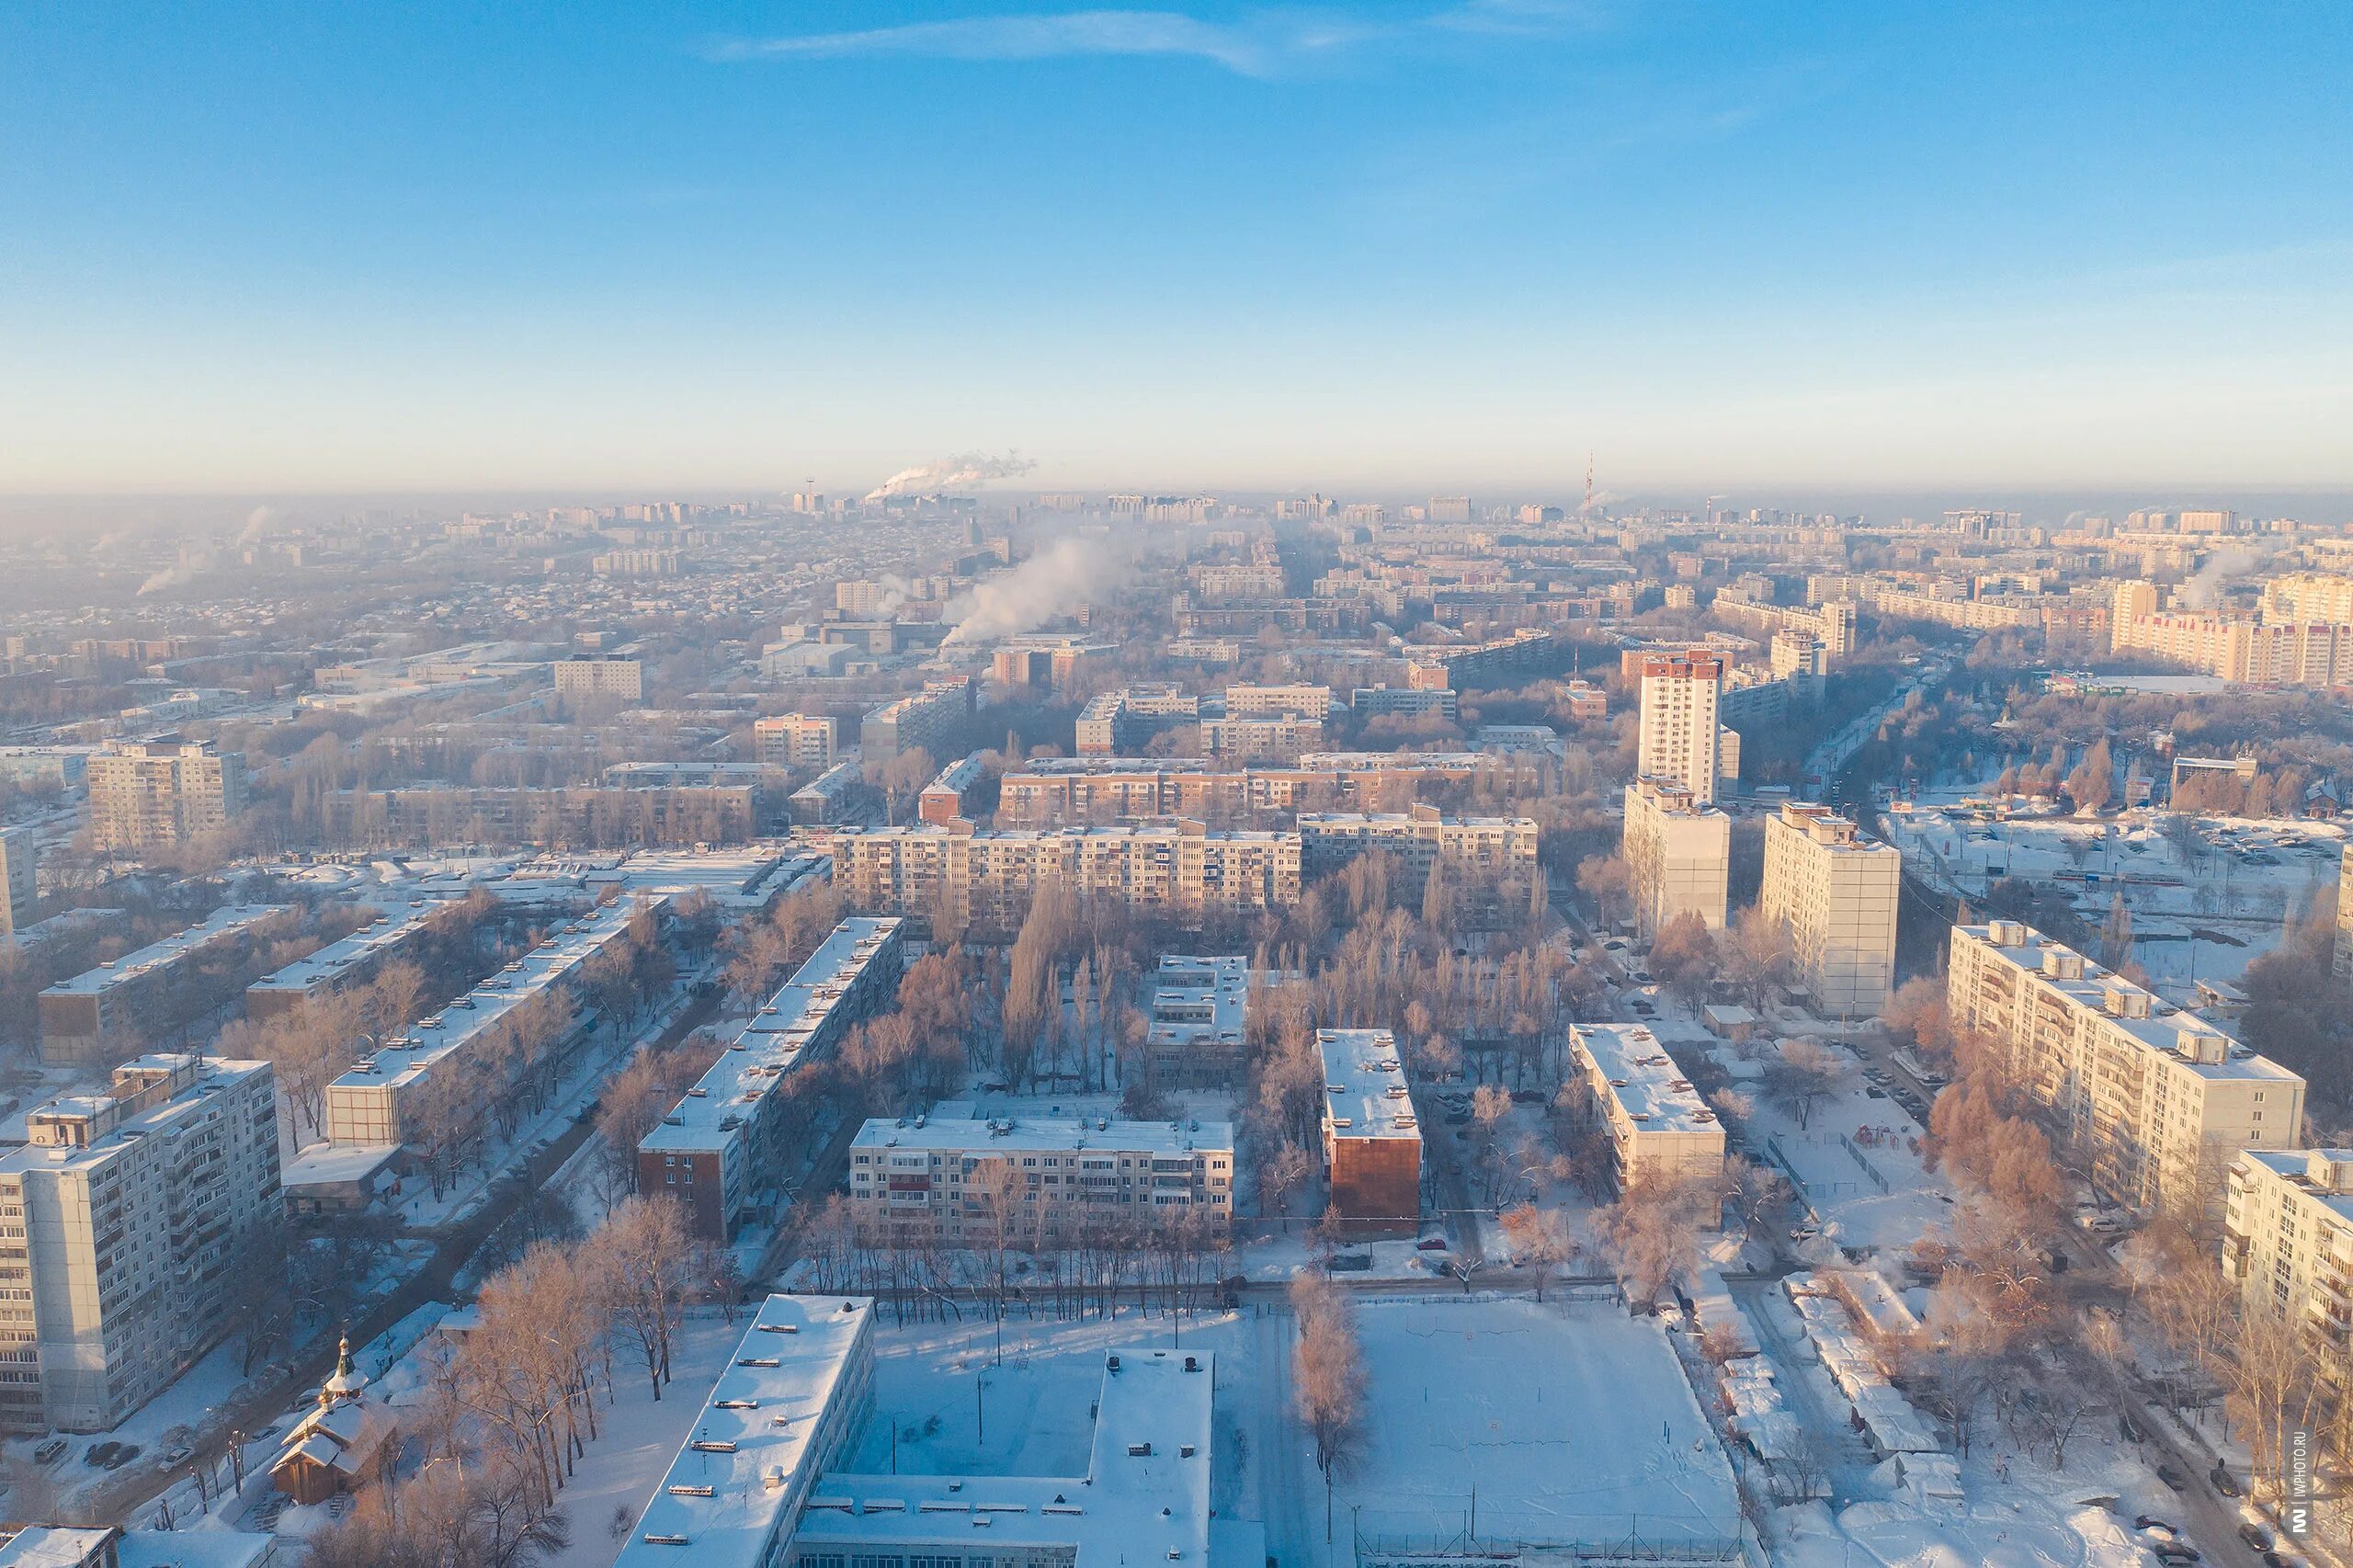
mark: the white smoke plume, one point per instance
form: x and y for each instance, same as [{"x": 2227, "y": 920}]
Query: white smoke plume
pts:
[
  {"x": 170, "y": 577},
  {"x": 962, "y": 472},
  {"x": 1053, "y": 581},
  {"x": 258, "y": 523},
  {"x": 2224, "y": 568}
]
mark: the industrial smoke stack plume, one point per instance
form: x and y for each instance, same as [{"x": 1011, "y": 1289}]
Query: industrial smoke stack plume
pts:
[
  {"x": 1053, "y": 581},
  {"x": 964, "y": 472}
]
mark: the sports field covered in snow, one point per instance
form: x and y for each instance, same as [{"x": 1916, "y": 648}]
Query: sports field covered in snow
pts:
[{"x": 1522, "y": 1422}]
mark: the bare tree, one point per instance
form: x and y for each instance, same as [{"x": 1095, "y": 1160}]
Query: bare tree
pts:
[{"x": 1328, "y": 1375}]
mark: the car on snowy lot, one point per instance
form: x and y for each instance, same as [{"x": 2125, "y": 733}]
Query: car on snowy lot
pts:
[
  {"x": 51, "y": 1452},
  {"x": 2172, "y": 1478}
]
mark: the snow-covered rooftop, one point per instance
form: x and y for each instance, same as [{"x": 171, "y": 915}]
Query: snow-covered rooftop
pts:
[
  {"x": 219, "y": 925},
  {"x": 1644, "y": 1079},
  {"x": 1144, "y": 1498},
  {"x": 771, "y": 1044},
  {"x": 1365, "y": 1092},
  {"x": 738, "y": 1484}
]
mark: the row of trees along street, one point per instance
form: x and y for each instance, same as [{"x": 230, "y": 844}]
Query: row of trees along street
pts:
[{"x": 515, "y": 1403}]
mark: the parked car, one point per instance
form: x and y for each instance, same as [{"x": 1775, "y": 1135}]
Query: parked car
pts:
[
  {"x": 2173, "y": 1551},
  {"x": 2226, "y": 1482},
  {"x": 175, "y": 1454},
  {"x": 2257, "y": 1537},
  {"x": 1432, "y": 1244},
  {"x": 2172, "y": 1478},
  {"x": 51, "y": 1452}
]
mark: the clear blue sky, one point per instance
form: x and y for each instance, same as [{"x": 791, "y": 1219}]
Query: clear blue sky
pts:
[{"x": 262, "y": 245}]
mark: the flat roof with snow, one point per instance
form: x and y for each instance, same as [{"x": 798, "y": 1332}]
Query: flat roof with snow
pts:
[
  {"x": 1195, "y": 998},
  {"x": 325, "y": 966},
  {"x": 1642, "y": 1078},
  {"x": 740, "y": 1481},
  {"x": 219, "y": 925},
  {"x": 2132, "y": 1011},
  {"x": 769, "y": 1046},
  {"x": 417, "y": 1049},
  {"x": 1046, "y": 1134},
  {"x": 1365, "y": 1092},
  {"x": 1144, "y": 1498}
]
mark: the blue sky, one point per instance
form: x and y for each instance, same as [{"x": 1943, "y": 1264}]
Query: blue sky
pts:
[{"x": 1461, "y": 243}]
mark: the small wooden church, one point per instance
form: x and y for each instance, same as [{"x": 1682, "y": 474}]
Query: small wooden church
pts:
[{"x": 337, "y": 1442}]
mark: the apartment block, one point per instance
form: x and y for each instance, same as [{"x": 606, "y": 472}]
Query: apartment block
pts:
[
  {"x": 1623, "y": 1083},
  {"x": 1372, "y": 1138},
  {"x": 600, "y": 674},
  {"x": 1469, "y": 668},
  {"x": 1836, "y": 894},
  {"x": 1680, "y": 723},
  {"x": 19, "y": 890},
  {"x": 144, "y": 998},
  {"x": 926, "y": 720},
  {"x": 1403, "y": 702},
  {"x": 944, "y": 1180},
  {"x": 2287, "y": 1239},
  {"x": 1296, "y": 700},
  {"x": 441, "y": 1071},
  {"x": 569, "y": 816},
  {"x": 720, "y": 1151},
  {"x": 123, "y": 1222},
  {"x": 1261, "y": 739},
  {"x": 950, "y": 793},
  {"x": 1497, "y": 850},
  {"x": 152, "y": 794},
  {"x": 1678, "y": 855},
  {"x": 1043, "y": 660},
  {"x": 350, "y": 961},
  {"x": 828, "y": 797},
  {"x": 797, "y": 740},
  {"x": 1116, "y": 722},
  {"x": 2341, "y": 960},
  {"x": 2320, "y": 596},
  {"x": 2152, "y": 1102},
  {"x": 1194, "y": 1036},
  {"x": 986, "y": 878}
]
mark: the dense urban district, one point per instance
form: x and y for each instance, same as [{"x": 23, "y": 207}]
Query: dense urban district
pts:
[{"x": 1054, "y": 1030}]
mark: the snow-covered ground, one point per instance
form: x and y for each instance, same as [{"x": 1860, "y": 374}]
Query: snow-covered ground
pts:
[
  {"x": 638, "y": 1437},
  {"x": 2201, "y": 917},
  {"x": 1558, "y": 1423}
]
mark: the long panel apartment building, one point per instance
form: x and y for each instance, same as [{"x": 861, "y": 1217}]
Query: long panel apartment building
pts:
[
  {"x": 720, "y": 1149},
  {"x": 122, "y": 1223},
  {"x": 1498, "y": 849},
  {"x": 442, "y": 1068},
  {"x": 971, "y": 877},
  {"x": 345, "y": 962},
  {"x": 146, "y": 997},
  {"x": 2153, "y": 1102},
  {"x": 950, "y": 1180}
]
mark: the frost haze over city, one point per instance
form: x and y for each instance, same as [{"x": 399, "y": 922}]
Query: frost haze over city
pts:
[{"x": 1560, "y": 783}]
